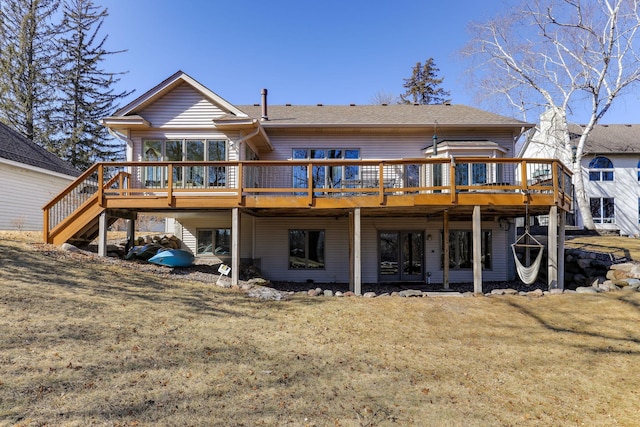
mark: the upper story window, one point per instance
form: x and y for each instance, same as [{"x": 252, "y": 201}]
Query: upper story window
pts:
[
  {"x": 185, "y": 150},
  {"x": 326, "y": 176},
  {"x": 600, "y": 169},
  {"x": 638, "y": 171}
]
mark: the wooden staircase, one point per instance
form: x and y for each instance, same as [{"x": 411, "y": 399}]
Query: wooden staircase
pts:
[{"x": 74, "y": 215}]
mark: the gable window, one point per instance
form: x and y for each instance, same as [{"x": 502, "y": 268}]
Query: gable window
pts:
[
  {"x": 185, "y": 150},
  {"x": 326, "y": 176},
  {"x": 461, "y": 249},
  {"x": 600, "y": 169},
  {"x": 213, "y": 241},
  {"x": 603, "y": 210},
  {"x": 306, "y": 249}
]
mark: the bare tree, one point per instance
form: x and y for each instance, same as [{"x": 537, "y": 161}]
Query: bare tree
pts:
[
  {"x": 560, "y": 55},
  {"x": 381, "y": 98}
]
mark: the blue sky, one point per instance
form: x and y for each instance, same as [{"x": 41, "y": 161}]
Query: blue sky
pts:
[{"x": 303, "y": 52}]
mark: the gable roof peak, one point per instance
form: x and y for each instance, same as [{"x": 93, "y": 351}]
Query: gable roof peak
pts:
[{"x": 170, "y": 83}]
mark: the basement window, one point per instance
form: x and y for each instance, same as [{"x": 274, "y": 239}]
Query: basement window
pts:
[
  {"x": 306, "y": 249},
  {"x": 461, "y": 249},
  {"x": 213, "y": 241}
]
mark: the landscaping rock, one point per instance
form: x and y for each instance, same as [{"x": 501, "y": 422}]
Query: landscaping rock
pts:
[
  {"x": 328, "y": 293},
  {"x": 507, "y": 291},
  {"x": 265, "y": 293},
  {"x": 369, "y": 295},
  {"x": 586, "y": 290},
  {"x": 410, "y": 293}
]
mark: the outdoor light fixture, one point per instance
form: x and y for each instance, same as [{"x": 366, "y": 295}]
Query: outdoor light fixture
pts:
[{"x": 574, "y": 150}]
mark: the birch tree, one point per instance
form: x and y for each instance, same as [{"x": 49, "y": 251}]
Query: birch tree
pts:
[{"x": 564, "y": 56}]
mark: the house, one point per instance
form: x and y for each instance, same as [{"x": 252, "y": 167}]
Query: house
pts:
[
  {"x": 346, "y": 194},
  {"x": 30, "y": 176},
  {"x": 610, "y": 168}
]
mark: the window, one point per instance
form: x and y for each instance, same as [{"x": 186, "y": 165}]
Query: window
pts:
[
  {"x": 326, "y": 176},
  {"x": 600, "y": 169},
  {"x": 190, "y": 150},
  {"x": 476, "y": 171},
  {"x": 638, "y": 171},
  {"x": 603, "y": 210},
  {"x": 306, "y": 249},
  {"x": 213, "y": 241},
  {"x": 461, "y": 249}
]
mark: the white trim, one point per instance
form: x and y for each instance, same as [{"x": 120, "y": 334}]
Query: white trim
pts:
[
  {"x": 37, "y": 169},
  {"x": 169, "y": 84}
]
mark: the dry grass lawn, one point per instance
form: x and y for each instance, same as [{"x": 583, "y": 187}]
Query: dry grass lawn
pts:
[
  {"x": 617, "y": 245},
  {"x": 91, "y": 343}
]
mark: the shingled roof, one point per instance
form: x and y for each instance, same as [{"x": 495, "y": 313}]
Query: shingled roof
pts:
[
  {"x": 380, "y": 116},
  {"x": 610, "y": 138},
  {"x": 17, "y": 148}
]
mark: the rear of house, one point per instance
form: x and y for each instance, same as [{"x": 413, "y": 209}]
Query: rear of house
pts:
[{"x": 346, "y": 194}]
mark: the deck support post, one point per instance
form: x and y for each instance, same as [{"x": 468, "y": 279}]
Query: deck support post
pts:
[
  {"x": 103, "y": 223},
  {"x": 477, "y": 250},
  {"x": 562, "y": 222},
  {"x": 445, "y": 236},
  {"x": 131, "y": 233},
  {"x": 552, "y": 248},
  {"x": 355, "y": 282},
  {"x": 235, "y": 246}
]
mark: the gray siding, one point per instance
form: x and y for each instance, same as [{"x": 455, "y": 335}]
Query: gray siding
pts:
[
  {"x": 373, "y": 146},
  {"x": 266, "y": 240},
  {"x": 184, "y": 106}
]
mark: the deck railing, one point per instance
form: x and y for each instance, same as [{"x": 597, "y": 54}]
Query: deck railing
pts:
[{"x": 311, "y": 179}]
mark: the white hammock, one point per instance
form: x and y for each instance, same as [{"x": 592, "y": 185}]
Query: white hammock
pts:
[{"x": 528, "y": 274}]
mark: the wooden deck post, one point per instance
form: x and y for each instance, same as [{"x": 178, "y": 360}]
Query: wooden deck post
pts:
[
  {"x": 477, "y": 250},
  {"x": 561, "y": 236},
  {"x": 103, "y": 223},
  {"x": 445, "y": 243},
  {"x": 131, "y": 232},
  {"x": 552, "y": 248},
  {"x": 235, "y": 246},
  {"x": 355, "y": 282}
]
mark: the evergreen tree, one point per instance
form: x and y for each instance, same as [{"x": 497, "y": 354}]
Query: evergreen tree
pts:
[
  {"x": 86, "y": 89},
  {"x": 423, "y": 87},
  {"x": 27, "y": 64}
]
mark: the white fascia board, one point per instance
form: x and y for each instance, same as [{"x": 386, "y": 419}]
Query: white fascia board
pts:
[{"x": 37, "y": 169}]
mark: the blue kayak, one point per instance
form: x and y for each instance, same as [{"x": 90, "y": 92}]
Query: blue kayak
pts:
[{"x": 173, "y": 258}]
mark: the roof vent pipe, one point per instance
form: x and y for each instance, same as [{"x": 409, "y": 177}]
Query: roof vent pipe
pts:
[{"x": 264, "y": 104}]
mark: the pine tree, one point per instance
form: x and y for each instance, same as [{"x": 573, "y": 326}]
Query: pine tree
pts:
[
  {"x": 27, "y": 64},
  {"x": 423, "y": 87},
  {"x": 87, "y": 93}
]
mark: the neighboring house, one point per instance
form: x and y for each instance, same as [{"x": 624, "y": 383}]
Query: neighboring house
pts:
[
  {"x": 347, "y": 193},
  {"x": 29, "y": 177},
  {"x": 610, "y": 168}
]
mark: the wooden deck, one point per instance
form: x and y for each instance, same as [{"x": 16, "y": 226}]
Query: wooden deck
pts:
[{"x": 408, "y": 187}]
